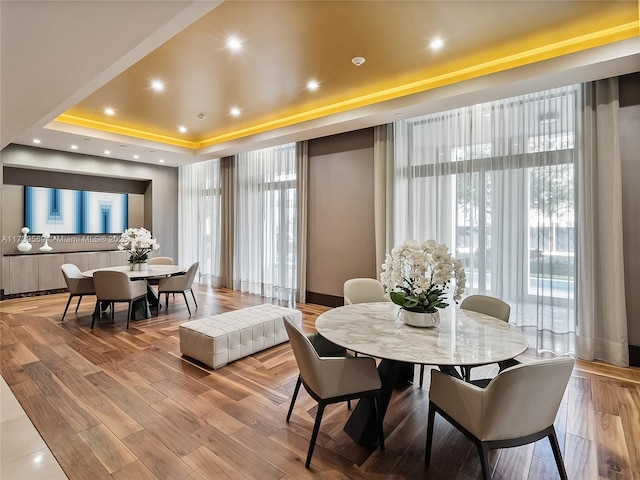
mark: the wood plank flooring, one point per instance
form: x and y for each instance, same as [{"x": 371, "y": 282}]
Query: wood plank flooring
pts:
[{"x": 119, "y": 404}]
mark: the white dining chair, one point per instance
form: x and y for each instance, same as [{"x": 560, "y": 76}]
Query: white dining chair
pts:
[
  {"x": 77, "y": 284},
  {"x": 517, "y": 407},
  {"x": 363, "y": 290},
  {"x": 179, "y": 284},
  {"x": 331, "y": 380},
  {"x": 160, "y": 261},
  {"x": 114, "y": 286}
]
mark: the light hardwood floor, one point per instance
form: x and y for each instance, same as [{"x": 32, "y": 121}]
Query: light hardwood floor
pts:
[{"x": 118, "y": 404}]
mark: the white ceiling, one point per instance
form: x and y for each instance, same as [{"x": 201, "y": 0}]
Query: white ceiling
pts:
[{"x": 55, "y": 54}]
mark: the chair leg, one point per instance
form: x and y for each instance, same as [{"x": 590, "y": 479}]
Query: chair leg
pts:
[
  {"x": 314, "y": 435},
  {"x": 553, "y": 439},
  {"x": 96, "y": 311},
  {"x": 483, "y": 450},
  {"x": 166, "y": 300},
  {"x": 65, "y": 308},
  {"x": 78, "y": 305},
  {"x": 194, "y": 298},
  {"x": 185, "y": 301},
  {"x": 293, "y": 398},
  {"x": 430, "y": 421},
  {"x": 348, "y": 404},
  {"x": 421, "y": 374},
  {"x": 129, "y": 313}
]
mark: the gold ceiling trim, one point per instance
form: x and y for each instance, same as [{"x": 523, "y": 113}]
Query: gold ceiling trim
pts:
[
  {"x": 573, "y": 45},
  {"x": 385, "y": 93},
  {"x": 120, "y": 130}
]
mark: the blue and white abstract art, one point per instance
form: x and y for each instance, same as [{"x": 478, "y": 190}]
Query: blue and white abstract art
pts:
[{"x": 56, "y": 210}]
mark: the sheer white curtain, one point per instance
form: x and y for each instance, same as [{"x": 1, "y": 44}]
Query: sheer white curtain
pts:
[
  {"x": 199, "y": 218},
  {"x": 602, "y": 315},
  {"x": 265, "y": 259},
  {"x": 495, "y": 182}
]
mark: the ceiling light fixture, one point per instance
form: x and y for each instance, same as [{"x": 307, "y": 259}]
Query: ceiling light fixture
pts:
[
  {"x": 74, "y": 147},
  {"x": 436, "y": 44},
  {"x": 234, "y": 44},
  {"x": 202, "y": 116},
  {"x": 161, "y": 160},
  {"x": 107, "y": 152},
  {"x": 357, "y": 61},
  {"x": 313, "y": 85},
  {"x": 136, "y": 157},
  {"x": 109, "y": 111},
  {"x": 182, "y": 129},
  {"x": 235, "y": 111},
  {"x": 157, "y": 85},
  {"x": 37, "y": 141}
]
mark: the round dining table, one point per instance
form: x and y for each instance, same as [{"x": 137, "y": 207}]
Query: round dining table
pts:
[
  {"x": 463, "y": 338},
  {"x": 151, "y": 271}
]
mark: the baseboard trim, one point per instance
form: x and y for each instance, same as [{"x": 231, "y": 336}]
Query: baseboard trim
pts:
[
  {"x": 324, "y": 299},
  {"x": 634, "y": 355}
]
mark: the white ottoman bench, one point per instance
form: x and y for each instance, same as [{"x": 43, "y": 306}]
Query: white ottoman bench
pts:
[{"x": 220, "y": 339}]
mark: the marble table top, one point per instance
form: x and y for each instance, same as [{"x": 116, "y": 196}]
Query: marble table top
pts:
[
  {"x": 150, "y": 272},
  {"x": 462, "y": 338}
]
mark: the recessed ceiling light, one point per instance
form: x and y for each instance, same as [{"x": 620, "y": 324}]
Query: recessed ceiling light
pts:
[
  {"x": 313, "y": 85},
  {"x": 136, "y": 157},
  {"x": 182, "y": 129},
  {"x": 107, "y": 152},
  {"x": 235, "y": 111},
  {"x": 157, "y": 85},
  {"x": 161, "y": 160},
  {"x": 234, "y": 44},
  {"x": 109, "y": 111},
  {"x": 36, "y": 141},
  {"x": 74, "y": 147},
  {"x": 357, "y": 61},
  {"x": 436, "y": 44},
  {"x": 202, "y": 116}
]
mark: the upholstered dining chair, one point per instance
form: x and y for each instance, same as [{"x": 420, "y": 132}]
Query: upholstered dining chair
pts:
[
  {"x": 331, "y": 380},
  {"x": 78, "y": 285},
  {"x": 517, "y": 407},
  {"x": 160, "y": 261},
  {"x": 494, "y": 307},
  {"x": 179, "y": 284},
  {"x": 363, "y": 290},
  {"x": 114, "y": 286}
]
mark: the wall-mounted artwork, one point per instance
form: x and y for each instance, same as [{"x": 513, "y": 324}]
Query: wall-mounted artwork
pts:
[{"x": 56, "y": 210}]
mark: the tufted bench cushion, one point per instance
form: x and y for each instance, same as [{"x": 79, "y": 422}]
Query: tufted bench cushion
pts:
[{"x": 220, "y": 339}]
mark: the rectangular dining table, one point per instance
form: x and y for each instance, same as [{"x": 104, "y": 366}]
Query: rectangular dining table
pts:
[{"x": 463, "y": 338}]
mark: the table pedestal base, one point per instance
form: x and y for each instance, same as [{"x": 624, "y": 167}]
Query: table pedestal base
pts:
[{"x": 361, "y": 426}]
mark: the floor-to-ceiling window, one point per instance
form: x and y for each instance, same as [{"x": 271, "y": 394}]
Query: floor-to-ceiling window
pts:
[
  {"x": 199, "y": 219},
  {"x": 495, "y": 182},
  {"x": 241, "y": 212},
  {"x": 266, "y": 222}
]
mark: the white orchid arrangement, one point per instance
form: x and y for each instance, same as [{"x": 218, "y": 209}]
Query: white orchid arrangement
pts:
[
  {"x": 139, "y": 243},
  {"x": 416, "y": 275}
]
